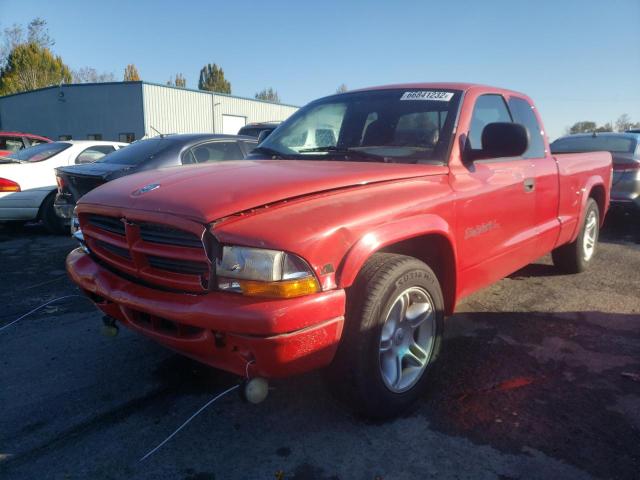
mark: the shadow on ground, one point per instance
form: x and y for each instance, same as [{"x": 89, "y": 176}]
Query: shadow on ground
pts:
[{"x": 566, "y": 384}]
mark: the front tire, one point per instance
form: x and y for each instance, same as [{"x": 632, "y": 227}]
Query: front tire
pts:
[
  {"x": 576, "y": 257},
  {"x": 392, "y": 335}
]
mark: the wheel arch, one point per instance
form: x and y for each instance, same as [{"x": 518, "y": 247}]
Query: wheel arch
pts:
[
  {"x": 427, "y": 238},
  {"x": 599, "y": 194}
]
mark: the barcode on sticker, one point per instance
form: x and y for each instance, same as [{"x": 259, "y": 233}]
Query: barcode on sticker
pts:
[{"x": 427, "y": 95}]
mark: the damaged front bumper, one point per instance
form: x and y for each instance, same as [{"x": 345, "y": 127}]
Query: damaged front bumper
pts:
[{"x": 264, "y": 337}]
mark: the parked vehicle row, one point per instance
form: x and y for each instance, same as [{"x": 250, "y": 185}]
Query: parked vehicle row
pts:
[
  {"x": 164, "y": 151},
  {"x": 345, "y": 237},
  {"x": 28, "y": 182}
]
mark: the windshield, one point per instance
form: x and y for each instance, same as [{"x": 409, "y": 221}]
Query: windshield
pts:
[
  {"x": 39, "y": 152},
  {"x": 605, "y": 143},
  {"x": 399, "y": 125},
  {"x": 137, "y": 152}
]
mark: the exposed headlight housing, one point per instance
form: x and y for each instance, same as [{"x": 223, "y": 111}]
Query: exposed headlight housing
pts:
[{"x": 264, "y": 273}]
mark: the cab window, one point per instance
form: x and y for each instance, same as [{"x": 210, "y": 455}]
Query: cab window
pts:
[
  {"x": 488, "y": 109},
  {"x": 523, "y": 113}
]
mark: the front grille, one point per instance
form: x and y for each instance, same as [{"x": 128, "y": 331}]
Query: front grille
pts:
[
  {"x": 151, "y": 253},
  {"x": 110, "y": 224},
  {"x": 178, "y": 266},
  {"x": 119, "y": 251},
  {"x": 152, "y": 232}
]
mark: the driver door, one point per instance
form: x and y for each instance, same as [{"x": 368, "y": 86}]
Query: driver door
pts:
[{"x": 495, "y": 206}]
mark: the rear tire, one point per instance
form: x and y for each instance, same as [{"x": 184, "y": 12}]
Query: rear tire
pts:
[
  {"x": 576, "y": 257},
  {"x": 52, "y": 222},
  {"x": 392, "y": 335}
]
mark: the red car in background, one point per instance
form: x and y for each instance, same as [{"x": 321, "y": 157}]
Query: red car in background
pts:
[{"x": 11, "y": 142}]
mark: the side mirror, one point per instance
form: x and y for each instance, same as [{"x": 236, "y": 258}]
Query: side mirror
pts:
[
  {"x": 502, "y": 139},
  {"x": 263, "y": 134}
]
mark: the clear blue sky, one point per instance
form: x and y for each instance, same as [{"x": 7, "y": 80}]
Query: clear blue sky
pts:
[{"x": 579, "y": 60}]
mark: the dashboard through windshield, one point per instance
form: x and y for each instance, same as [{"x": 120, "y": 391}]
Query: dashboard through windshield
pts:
[{"x": 397, "y": 125}]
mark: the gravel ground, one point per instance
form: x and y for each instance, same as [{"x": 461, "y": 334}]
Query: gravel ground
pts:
[{"x": 539, "y": 377}]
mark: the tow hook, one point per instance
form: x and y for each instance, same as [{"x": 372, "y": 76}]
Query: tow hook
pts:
[
  {"x": 255, "y": 390},
  {"x": 109, "y": 327}
]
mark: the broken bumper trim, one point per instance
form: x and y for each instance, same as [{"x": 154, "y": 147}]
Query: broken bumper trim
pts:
[{"x": 270, "y": 338}]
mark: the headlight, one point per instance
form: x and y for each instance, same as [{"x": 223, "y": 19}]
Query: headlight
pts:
[{"x": 264, "y": 273}]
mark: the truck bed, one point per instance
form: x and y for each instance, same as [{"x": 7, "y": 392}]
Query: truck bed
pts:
[{"x": 577, "y": 173}]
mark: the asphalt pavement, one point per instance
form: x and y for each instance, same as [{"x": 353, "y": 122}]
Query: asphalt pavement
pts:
[{"x": 539, "y": 377}]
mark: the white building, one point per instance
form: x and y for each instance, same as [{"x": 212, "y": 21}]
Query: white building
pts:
[{"x": 128, "y": 111}]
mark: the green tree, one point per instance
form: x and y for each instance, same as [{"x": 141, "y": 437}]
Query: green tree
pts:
[
  {"x": 342, "y": 88},
  {"x": 268, "y": 95},
  {"x": 212, "y": 79},
  {"x": 583, "y": 127},
  {"x": 30, "y": 66},
  {"x": 177, "y": 81},
  {"x": 131, "y": 74}
]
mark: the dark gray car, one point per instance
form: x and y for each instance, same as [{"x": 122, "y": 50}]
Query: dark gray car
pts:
[
  {"x": 625, "y": 150},
  {"x": 163, "y": 151}
]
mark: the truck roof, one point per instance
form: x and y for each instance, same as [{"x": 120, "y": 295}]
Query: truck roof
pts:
[{"x": 439, "y": 85}]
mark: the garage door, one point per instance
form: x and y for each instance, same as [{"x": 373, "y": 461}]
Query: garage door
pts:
[{"x": 232, "y": 123}]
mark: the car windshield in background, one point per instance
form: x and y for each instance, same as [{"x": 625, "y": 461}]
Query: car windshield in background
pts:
[
  {"x": 137, "y": 152},
  {"x": 400, "y": 125},
  {"x": 605, "y": 143},
  {"x": 39, "y": 152}
]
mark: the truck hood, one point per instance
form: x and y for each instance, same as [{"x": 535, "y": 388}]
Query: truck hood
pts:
[{"x": 208, "y": 192}]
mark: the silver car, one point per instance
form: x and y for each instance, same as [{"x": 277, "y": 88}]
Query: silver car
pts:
[{"x": 625, "y": 150}]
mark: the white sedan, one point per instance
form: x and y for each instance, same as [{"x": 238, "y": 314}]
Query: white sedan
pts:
[{"x": 28, "y": 181}]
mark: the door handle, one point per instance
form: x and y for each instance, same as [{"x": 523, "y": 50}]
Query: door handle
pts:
[{"x": 529, "y": 184}]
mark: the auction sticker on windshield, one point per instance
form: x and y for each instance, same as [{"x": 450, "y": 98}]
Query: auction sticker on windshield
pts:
[{"x": 427, "y": 95}]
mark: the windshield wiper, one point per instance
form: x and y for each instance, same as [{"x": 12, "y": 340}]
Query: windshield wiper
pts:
[{"x": 347, "y": 152}]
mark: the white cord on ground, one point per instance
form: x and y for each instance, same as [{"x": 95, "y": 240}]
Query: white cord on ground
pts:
[
  {"x": 188, "y": 420},
  {"x": 38, "y": 308}
]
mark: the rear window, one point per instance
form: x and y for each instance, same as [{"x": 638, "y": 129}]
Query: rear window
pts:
[
  {"x": 609, "y": 143},
  {"x": 40, "y": 152},
  {"x": 250, "y": 132},
  {"x": 137, "y": 152}
]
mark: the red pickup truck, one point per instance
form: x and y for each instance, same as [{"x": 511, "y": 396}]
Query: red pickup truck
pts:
[{"x": 345, "y": 239}]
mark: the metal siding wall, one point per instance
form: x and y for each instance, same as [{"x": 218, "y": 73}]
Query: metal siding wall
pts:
[
  {"x": 175, "y": 110},
  {"x": 172, "y": 110},
  {"x": 114, "y": 108},
  {"x": 107, "y": 109}
]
